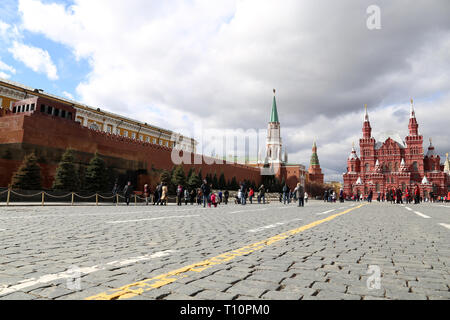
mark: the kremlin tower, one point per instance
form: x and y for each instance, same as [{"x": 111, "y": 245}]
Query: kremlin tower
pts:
[{"x": 314, "y": 171}]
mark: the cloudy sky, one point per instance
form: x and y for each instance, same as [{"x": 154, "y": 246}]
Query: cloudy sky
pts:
[{"x": 172, "y": 63}]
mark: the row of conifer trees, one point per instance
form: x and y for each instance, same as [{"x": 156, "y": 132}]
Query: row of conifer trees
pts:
[{"x": 97, "y": 177}]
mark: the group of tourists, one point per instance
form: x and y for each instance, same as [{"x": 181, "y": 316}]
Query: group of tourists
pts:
[
  {"x": 245, "y": 193},
  {"x": 298, "y": 194},
  {"x": 399, "y": 196},
  {"x": 330, "y": 195}
]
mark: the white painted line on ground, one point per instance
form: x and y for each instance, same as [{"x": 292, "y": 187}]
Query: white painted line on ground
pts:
[
  {"x": 151, "y": 219},
  {"x": 408, "y": 208},
  {"x": 325, "y": 212},
  {"x": 69, "y": 274},
  {"x": 270, "y": 226},
  {"x": 445, "y": 225},
  {"x": 2, "y": 229},
  {"x": 422, "y": 215},
  {"x": 250, "y": 210}
]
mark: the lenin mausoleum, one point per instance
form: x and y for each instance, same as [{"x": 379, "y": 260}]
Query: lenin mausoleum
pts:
[
  {"x": 395, "y": 164},
  {"x": 34, "y": 121}
]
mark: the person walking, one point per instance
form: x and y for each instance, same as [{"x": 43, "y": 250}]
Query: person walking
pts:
[
  {"x": 262, "y": 194},
  {"x": 250, "y": 195},
  {"x": 220, "y": 196},
  {"x": 226, "y": 195},
  {"x": 157, "y": 194},
  {"x": 243, "y": 193},
  {"x": 164, "y": 194},
  {"x": 186, "y": 196},
  {"x": 127, "y": 191},
  {"x": 285, "y": 194},
  {"x": 205, "y": 191},
  {"x": 199, "y": 197},
  {"x": 146, "y": 193},
  {"x": 192, "y": 196},
  {"x": 179, "y": 194},
  {"x": 417, "y": 195},
  {"x": 325, "y": 196},
  {"x": 300, "y": 193},
  {"x": 115, "y": 191},
  {"x": 369, "y": 198}
]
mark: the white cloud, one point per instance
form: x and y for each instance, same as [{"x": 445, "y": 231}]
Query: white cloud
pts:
[
  {"x": 4, "y": 75},
  {"x": 34, "y": 58},
  {"x": 169, "y": 61},
  {"x": 8, "y": 68},
  {"x": 68, "y": 95}
]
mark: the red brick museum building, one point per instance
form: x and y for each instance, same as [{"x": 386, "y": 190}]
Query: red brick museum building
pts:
[{"x": 394, "y": 164}]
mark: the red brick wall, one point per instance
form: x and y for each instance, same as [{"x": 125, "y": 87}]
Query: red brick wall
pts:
[{"x": 43, "y": 130}]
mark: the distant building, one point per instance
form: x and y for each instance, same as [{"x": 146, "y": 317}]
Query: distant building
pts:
[
  {"x": 390, "y": 164},
  {"x": 276, "y": 157},
  {"x": 315, "y": 174},
  {"x": 95, "y": 118}
]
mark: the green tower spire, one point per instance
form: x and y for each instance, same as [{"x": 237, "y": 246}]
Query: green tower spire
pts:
[
  {"x": 314, "y": 157},
  {"x": 274, "y": 115}
]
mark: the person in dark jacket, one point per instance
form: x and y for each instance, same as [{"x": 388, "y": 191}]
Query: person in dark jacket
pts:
[
  {"x": 300, "y": 192},
  {"x": 226, "y": 195},
  {"x": 206, "y": 190},
  {"x": 261, "y": 194},
  {"x": 157, "y": 194},
  {"x": 115, "y": 191},
  {"x": 243, "y": 190},
  {"x": 179, "y": 194},
  {"x": 285, "y": 194},
  {"x": 127, "y": 191}
]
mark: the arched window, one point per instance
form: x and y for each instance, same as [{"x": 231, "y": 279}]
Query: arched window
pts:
[
  {"x": 390, "y": 166},
  {"x": 403, "y": 187},
  {"x": 396, "y": 167},
  {"x": 415, "y": 167}
]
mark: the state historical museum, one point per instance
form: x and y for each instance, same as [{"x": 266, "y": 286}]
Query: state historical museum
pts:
[{"x": 395, "y": 164}]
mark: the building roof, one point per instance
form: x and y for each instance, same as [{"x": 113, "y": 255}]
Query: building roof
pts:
[
  {"x": 40, "y": 93},
  {"x": 274, "y": 114}
]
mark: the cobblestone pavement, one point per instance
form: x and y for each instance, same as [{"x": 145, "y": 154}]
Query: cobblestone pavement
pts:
[{"x": 43, "y": 249}]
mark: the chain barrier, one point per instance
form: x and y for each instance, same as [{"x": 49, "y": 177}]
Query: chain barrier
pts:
[
  {"x": 57, "y": 197},
  {"x": 26, "y": 195},
  {"x": 112, "y": 197},
  {"x": 88, "y": 197}
]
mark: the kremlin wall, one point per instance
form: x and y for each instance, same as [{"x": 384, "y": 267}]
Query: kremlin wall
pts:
[{"x": 32, "y": 121}]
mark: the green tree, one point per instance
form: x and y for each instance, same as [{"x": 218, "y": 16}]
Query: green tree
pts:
[
  {"x": 165, "y": 177},
  {"x": 215, "y": 181},
  {"x": 178, "y": 176},
  {"x": 194, "y": 180},
  {"x": 66, "y": 177},
  {"x": 200, "y": 176},
  {"x": 234, "y": 184},
  {"x": 222, "y": 182},
  {"x": 28, "y": 176},
  {"x": 96, "y": 175}
]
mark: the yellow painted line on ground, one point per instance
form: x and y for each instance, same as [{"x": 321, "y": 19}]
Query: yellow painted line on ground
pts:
[{"x": 137, "y": 288}]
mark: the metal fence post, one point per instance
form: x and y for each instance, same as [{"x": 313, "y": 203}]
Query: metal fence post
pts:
[
  {"x": 117, "y": 199},
  {"x": 96, "y": 199},
  {"x": 43, "y": 198},
  {"x": 9, "y": 195},
  {"x": 72, "y": 197},
  {"x": 135, "y": 199}
]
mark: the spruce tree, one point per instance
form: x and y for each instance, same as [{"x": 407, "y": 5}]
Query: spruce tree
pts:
[
  {"x": 222, "y": 182},
  {"x": 165, "y": 177},
  {"x": 28, "y": 176},
  {"x": 194, "y": 181},
  {"x": 95, "y": 177},
  {"x": 234, "y": 185},
  {"x": 178, "y": 176},
  {"x": 66, "y": 177},
  {"x": 215, "y": 181}
]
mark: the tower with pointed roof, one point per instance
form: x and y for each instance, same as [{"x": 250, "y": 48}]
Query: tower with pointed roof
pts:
[
  {"x": 314, "y": 171},
  {"x": 274, "y": 143}
]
